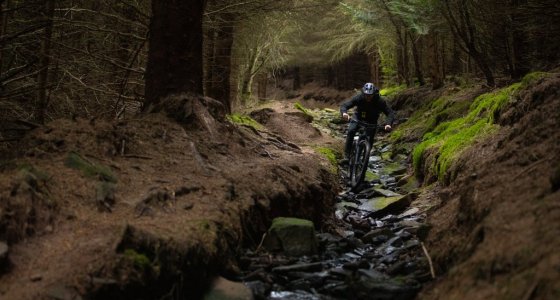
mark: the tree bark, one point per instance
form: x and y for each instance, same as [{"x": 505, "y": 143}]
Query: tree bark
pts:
[
  {"x": 44, "y": 61},
  {"x": 221, "y": 67},
  {"x": 464, "y": 30},
  {"x": 435, "y": 61},
  {"x": 296, "y": 85},
  {"x": 262, "y": 84},
  {"x": 520, "y": 63},
  {"x": 375, "y": 67},
  {"x": 175, "y": 51},
  {"x": 417, "y": 62},
  {"x": 3, "y": 29}
]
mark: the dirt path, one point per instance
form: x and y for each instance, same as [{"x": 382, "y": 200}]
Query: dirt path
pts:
[{"x": 175, "y": 189}]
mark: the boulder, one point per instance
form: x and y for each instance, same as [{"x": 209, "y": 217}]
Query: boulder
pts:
[
  {"x": 223, "y": 289},
  {"x": 294, "y": 237}
]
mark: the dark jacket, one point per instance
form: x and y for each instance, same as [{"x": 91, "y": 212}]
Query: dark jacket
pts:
[{"x": 368, "y": 112}]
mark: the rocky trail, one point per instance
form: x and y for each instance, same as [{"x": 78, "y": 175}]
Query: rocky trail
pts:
[{"x": 375, "y": 247}]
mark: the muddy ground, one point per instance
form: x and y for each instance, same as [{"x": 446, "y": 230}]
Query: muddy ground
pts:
[{"x": 189, "y": 197}]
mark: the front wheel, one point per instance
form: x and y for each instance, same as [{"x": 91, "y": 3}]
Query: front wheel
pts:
[{"x": 359, "y": 164}]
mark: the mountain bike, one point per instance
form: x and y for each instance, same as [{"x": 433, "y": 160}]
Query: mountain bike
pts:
[{"x": 358, "y": 160}]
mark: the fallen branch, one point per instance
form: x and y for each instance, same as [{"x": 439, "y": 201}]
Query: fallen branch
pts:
[
  {"x": 260, "y": 244},
  {"x": 432, "y": 271}
]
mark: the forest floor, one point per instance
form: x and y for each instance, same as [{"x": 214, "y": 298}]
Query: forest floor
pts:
[
  {"x": 79, "y": 195},
  {"x": 150, "y": 184}
]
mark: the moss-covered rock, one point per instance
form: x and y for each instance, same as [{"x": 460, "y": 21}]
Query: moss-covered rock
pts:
[
  {"x": 304, "y": 110},
  {"x": 244, "y": 120},
  {"x": 295, "y": 237}
]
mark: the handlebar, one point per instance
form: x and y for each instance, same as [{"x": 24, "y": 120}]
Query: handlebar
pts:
[{"x": 368, "y": 125}]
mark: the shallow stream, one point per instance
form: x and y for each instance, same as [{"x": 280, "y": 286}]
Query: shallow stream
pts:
[{"x": 375, "y": 252}]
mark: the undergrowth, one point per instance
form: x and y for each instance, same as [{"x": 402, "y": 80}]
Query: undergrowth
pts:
[
  {"x": 392, "y": 90},
  {"x": 244, "y": 120},
  {"x": 450, "y": 138}
]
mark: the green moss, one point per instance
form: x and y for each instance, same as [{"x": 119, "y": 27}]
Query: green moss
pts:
[
  {"x": 392, "y": 90},
  {"x": 370, "y": 176},
  {"x": 329, "y": 153},
  {"x": 429, "y": 116},
  {"x": 331, "y": 156},
  {"x": 532, "y": 77},
  {"x": 139, "y": 260},
  {"x": 306, "y": 111},
  {"x": 244, "y": 120},
  {"x": 452, "y": 137},
  {"x": 281, "y": 222},
  {"x": 88, "y": 168}
]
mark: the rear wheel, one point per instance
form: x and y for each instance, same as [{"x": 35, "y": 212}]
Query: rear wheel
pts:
[{"x": 359, "y": 164}]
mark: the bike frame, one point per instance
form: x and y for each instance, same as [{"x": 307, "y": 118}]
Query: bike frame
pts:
[{"x": 359, "y": 155}]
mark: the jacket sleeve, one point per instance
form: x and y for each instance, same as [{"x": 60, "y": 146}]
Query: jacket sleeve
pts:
[
  {"x": 349, "y": 104},
  {"x": 388, "y": 112}
]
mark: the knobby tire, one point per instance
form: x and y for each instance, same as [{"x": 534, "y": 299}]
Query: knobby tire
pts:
[{"x": 359, "y": 163}]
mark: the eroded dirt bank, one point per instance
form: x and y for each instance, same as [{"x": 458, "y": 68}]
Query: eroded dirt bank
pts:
[
  {"x": 496, "y": 226},
  {"x": 145, "y": 207}
]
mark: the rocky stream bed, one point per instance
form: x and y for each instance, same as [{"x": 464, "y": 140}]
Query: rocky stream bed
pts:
[{"x": 376, "y": 252}]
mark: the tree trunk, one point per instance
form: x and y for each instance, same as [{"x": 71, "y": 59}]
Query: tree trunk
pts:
[
  {"x": 221, "y": 67},
  {"x": 297, "y": 79},
  {"x": 375, "y": 67},
  {"x": 520, "y": 63},
  {"x": 209, "y": 57},
  {"x": 175, "y": 51},
  {"x": 262, "y": 84},
  {"x": 44, "y": 61},
  {"x": 3, "y": 29},
  {"x": 435, "y": 60},
  {"x": 416, "y": 43},
  {"x": 463, "y": 29}
]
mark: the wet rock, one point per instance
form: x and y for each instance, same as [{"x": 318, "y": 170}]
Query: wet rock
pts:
[
  {"x": 411, "y": 212},
  {"x": 353, "y": 265},
  {"x": 390, "y": 289},
  {"x": 312, "y": 267},
  {"x": 372, "y": 274},
  {"x": 341, "y": 273},
  {"x": 259, "y": 289},
  {"x": 394, "y": 205},
  {"x": 405, "y": 235},
  {"x": 299, "y": 284},
  {"x": 370, "y": 236},
  {"x": 328, "y": 238},
  {"x": 374, "y": 159},
  {"x": 295, "y": 237},
  {"x": 228, "y": 290},
  {"x": 396, "y": 268},
  {"x": 395, "y": 242},
  {"x": 410, "y": 223},
  {"x": 411, "y": 244},
  {"x": 387, "y": 193}
]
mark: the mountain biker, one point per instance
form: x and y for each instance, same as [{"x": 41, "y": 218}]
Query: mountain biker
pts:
[{"x": 369, "y": 106}]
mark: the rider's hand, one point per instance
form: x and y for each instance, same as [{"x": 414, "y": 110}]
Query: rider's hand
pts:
[
  {"x": 345, "y": 117},
  {"x": 387, "y": 127}
]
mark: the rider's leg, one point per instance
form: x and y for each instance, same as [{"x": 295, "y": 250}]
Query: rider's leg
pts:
[
  {"x": 352, "y": 129},
  {"x": 371, "y": 135}
]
